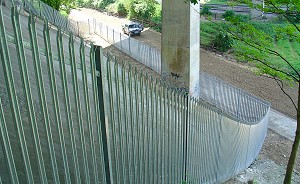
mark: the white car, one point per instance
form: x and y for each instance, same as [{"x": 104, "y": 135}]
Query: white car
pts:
[{"x": 132, "y": 28}]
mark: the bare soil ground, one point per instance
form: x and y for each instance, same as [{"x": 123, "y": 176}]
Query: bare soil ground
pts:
[{"x": 271, "y": 163}]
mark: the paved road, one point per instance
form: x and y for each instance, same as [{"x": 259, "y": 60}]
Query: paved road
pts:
[{"x": 282, "y": 124}]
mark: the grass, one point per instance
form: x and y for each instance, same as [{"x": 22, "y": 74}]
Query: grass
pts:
[
  {"x": 216, "y": 1},
  {"x": 290, "y": 50}
]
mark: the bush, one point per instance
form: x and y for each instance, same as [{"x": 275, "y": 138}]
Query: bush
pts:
[
  {"x": 53, "y": 3},
  {"x": 205, "y": 11},
  {"x": 222, "y": 42},
  {"x": 140, "y": 9},
  {"x": 228, "y": 15},
  {"x": 242, "y": 18},
  {"x": 112, "y": 8},
  {"x": 105, "y": 3},
  {"x": 156, "y": 18},
  {"x": 121, "y": 9}
]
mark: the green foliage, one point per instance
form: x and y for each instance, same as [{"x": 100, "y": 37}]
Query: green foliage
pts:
[
  {"x": 206, "y": 11},
  {"x": 156, "y": 18},
  {"x": 104, "y": 3},
  {"x": 53, "y": 3},
  {"x": 143, "y": 9},
  {"x": 282, "y": 38},
  {"x": 214, "y": 36},
  {"x": 98, "y": 4},
  {"x": 121, "y": 9},
  {"x": 222, "y": 42},
  {"x": 112, "y": 8},
  {"x": 228, "y": 15},
  {"x": 268, "y": 28},
  {"x": 217, "y": 1}
]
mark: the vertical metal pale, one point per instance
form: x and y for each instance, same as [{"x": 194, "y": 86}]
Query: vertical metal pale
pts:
[
  {"x": 78, "y": 110},
  {"x": 26, "y": 86},
  {"x": 8, "y": 75},
  {"x": 39, "y": 79},
  {"x": 5, "y": 142},
  {"x": 88, "y": 110}
]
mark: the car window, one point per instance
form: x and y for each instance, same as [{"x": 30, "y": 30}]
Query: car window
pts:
[{"x": 131, "y": 26}]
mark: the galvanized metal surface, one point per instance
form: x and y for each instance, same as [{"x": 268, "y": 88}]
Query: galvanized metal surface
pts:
[
  {"x": 233, "y": 101},
  {"x": 51, "y": 118},
  {"x": 141, "y": 52},
  {"x": 37, "y": 100},
  {"x": 42, "y": 10}
]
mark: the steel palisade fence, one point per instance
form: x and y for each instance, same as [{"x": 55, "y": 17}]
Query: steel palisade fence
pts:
[
  {"x": 141, "y": 52},
  {"x": 236, "y": 102},
  {"x": 70, "y": 113},
  {"x": 42, "y": 10}
]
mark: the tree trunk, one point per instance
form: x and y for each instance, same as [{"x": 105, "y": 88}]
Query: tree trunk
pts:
[{"x": 293, "y": 156}]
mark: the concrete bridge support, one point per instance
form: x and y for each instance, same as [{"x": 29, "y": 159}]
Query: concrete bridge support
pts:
[{"x": 181, "y": 44}]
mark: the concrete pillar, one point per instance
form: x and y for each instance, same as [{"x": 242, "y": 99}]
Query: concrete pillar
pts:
[{"x": 181, "y": 44}]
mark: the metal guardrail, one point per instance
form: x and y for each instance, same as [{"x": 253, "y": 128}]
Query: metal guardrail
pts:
[{"x": 231, "y": 100}]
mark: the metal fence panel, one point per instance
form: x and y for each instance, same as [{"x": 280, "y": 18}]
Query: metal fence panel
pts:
[
  {"x": 40, "y": 115},
  {"x": 50, "y": 109},
  {"x": 143, "y": 149},
  {"x": 220, "y": 147}
]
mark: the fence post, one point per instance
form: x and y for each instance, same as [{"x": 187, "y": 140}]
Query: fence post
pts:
[
  {"x": 93, "y": 26},
  {"x": 40, "y": 11},
  {"x": 89, "y": 26},
  {"x": 100, "y": 30},
  {"x": 239, "y": 104},
  {"x": 139, "y": 53},
  {"x": 151, "y": 59},
  {"x": 121, "y": 41},
  {"x": 129, "y": 45},
  {"x": 113, "y": 36},
  {"x": 102, "y": 117},
  {"x": 185, "y": 138},
  {"x": 53, "y": 13},
  {"x": 215, "y": 91},
  {"x": 77, "y": 28},
  {"x": 107, "y": 34}
]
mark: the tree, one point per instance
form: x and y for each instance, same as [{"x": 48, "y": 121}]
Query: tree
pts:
[
  {"x": 206, "y": 11},
  {"x": 143, "y": 9},
  {"x": 253, "y": 44},
  {"x": 53, "y": 3}
]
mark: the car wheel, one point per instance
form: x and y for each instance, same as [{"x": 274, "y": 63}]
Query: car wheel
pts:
[{"x": 139, "y": 34}]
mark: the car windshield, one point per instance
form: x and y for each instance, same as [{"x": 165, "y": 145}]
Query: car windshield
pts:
[{"x": 133, "y": 26}]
